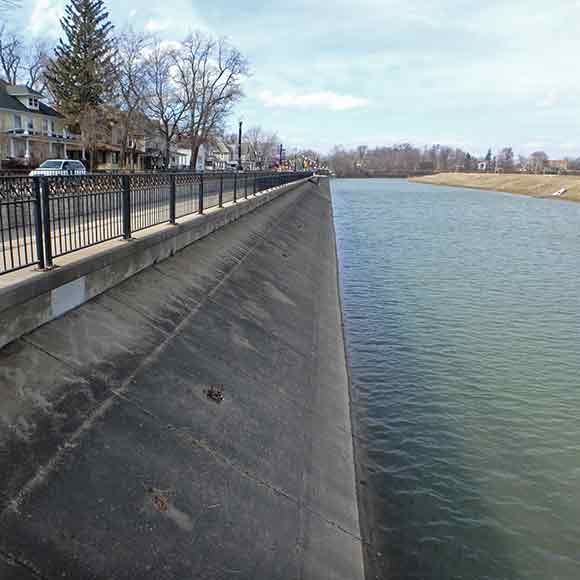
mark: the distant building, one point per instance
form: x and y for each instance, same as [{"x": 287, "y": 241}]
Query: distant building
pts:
[
  {"x": 483, "y": 165},
  {"x": 184, "y": 152},
  {"x": 556, "y": 165},
  {"x": 218, "y": 156},
  {"x": 249, "y": 157}
]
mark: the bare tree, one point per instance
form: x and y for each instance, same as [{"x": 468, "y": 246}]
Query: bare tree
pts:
[
  {"x": 132, "y": 75},
  {"x": 12, "y": 51},
  {"x": 34, "y": 66},
  {"x": 21, "y": 63},
  {"x": 264, "y": 144},
  {"x": 505, "y": 159},
  {"x": 164, "y": 101},
  {"x": 208, "y": 73},
  {"x": 538, "y": 161}
]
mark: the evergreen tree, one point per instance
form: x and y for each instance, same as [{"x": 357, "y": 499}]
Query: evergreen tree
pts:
[{"x": 80, "y": 75}]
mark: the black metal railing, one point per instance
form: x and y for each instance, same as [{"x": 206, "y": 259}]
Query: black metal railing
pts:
[
  {"x": 20, "y": 224},
  {"x": 44, "y": 217}
]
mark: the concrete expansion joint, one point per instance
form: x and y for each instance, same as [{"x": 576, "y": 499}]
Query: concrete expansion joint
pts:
[
  {"x": 138, "y": 311},
  {"x": 186, "y": 437},
  {"x": 16, "y": 561},
  {"x": 123, "y": 397},
  {"x": 32, "y": 344}
]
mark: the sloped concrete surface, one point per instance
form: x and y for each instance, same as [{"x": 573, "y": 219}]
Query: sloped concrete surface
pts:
[{"x": 115, "y": 463}]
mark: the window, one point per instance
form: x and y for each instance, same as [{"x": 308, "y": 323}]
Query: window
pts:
[
  {"x": 51, "y": 165},
  {"x": 17, "y": 122},
  {"x": 30, "y": 124},
  {"x": 19, "y": 148},
  {"x": 52, "y": 128},
  {"x": 32, "y": 103},
  {"x": 114, "y": 157},
  {"x": 45, "y": 126}
]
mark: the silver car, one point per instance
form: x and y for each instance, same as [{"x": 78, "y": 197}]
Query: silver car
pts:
[{"x": 60, "y": 167}]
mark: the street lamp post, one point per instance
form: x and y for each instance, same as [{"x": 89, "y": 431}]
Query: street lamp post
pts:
[{"x": 240, "y": 148}]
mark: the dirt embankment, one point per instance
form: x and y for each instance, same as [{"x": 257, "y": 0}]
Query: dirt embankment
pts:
[{"x": 533, "y": 185}]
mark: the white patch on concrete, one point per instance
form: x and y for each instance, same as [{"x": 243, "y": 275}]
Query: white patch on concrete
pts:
[
  {"x": 278, "y": 295},
  {"x": 67, "y": 297},
  {"x": 181, "y": 519}
]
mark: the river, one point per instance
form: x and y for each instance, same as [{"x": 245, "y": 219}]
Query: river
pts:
[{"x": 462, "y": 315}]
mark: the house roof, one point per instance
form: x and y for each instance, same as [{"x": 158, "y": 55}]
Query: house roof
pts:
[
  {"x": 8, "y": 101},
  {"x": 22, "y": 91},
  {"x": 219, "y": 146}
]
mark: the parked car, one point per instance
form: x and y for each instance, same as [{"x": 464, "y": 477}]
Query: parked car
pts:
[{"x": 60, "y": 167}]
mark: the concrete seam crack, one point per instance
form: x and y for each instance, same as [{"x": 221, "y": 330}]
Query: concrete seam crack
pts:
[
  {"x": 13, "y": 560},
  {"x": 151, "y": 320},
  {"x": 36, "y": 346},
  {"x": 249, "y": 475}
]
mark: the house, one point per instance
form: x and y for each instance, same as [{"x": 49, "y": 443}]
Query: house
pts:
[
  {"x": 539, "y": 164},
  {"x": 483, "y": 165},
  {"x": 556, "y": 166},
  {"x": 219, "y": 155},
  {"x": 184, "y": 151},
  {"x": 31, "y": 131}
]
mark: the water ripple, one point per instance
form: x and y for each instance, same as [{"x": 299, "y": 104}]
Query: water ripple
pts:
[{"x": 463, "y": 326}]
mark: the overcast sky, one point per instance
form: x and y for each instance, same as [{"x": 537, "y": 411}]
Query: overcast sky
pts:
[{"x": 351, "y": 72}]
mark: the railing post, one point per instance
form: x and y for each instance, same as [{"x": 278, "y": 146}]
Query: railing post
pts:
[
  {"x": 38, "y": 222},
  {"x": 235, "y": 187},
  {"x": 221, "y": 194},
  {"x": 126, "y": 206},
  {"x": 201, "y": 193},
  {"x": 172, "y": 201},
  {"x": 245, "y": 185},
  {"x": 46, "y": 223}
]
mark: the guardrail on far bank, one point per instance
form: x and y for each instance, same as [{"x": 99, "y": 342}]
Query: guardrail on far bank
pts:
[{"x": 44, "y": 217}]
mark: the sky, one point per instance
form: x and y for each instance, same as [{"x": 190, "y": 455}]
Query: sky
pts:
[{"x": 378, "y": 72}]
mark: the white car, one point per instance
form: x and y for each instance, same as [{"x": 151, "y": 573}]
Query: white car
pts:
[{"x": 60, "y": 167}]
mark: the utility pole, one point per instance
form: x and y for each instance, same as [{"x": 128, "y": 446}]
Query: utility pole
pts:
[
  {"x": 240, "y": 147},
  {"x": 281, "y": 154}
]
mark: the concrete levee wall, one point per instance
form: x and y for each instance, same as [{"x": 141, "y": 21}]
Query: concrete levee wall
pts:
[
  {"x": 193, "y": 420},
  {"x": 29, "y": 299}
]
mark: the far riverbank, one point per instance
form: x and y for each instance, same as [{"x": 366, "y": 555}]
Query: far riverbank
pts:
[{"x": 532, "y": 185}]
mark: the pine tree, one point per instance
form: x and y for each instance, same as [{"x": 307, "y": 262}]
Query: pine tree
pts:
[{"x": 80, "y": 75}]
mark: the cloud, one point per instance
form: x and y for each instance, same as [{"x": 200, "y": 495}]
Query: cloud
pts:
[
  {"x": 45, "y": 17},
  {"x": 156, "y": 25},
  {"x": 324, "y": 100},
  {"x": 552, "y": 99}
]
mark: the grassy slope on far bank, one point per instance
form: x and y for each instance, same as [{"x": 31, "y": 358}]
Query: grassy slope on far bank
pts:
[{"x": 534, "y": 185}]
